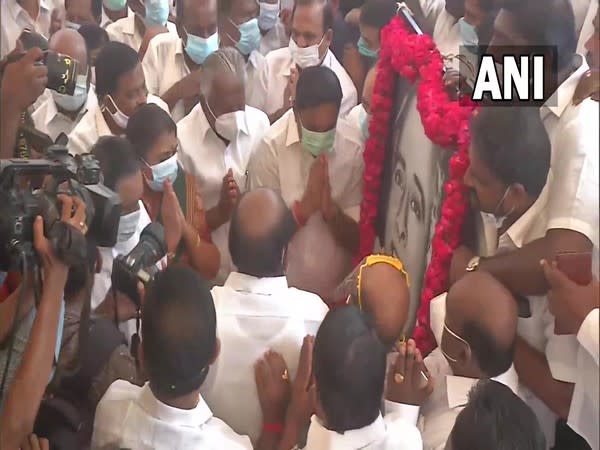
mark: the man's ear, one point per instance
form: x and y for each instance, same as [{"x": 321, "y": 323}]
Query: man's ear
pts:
[
  {"x": 465, "y": 354},
  {"x": 517, "y": 196},
  {"x": 329, "y": 36},
  {"x": 216, "y": 352}
]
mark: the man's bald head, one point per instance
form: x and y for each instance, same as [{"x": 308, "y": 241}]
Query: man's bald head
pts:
[
  {"x": 484, "y": 313},
  {"x": 368, "y": 87},
  {"x": 71, "y": 43},
  {"x": 385, "y": 297},
  {"x": 261, "y": 228}
]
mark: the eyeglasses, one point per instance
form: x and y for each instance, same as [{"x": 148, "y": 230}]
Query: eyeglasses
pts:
[{"x": 454, "y": 335}]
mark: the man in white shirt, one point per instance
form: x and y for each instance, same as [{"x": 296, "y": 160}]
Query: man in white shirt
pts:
[
  {"x": 60, "y": 113},
  {"x": 20, "y": 14},
  {"x": 314, "y": 159},
  {"x": 120, "y": 90},
  {"x": 179, "y": 345},
  {"x": 256, "y": 310},
  {"x": 172, "y": 64},
  {"x": 271, "y": 23},
  {"x": 347, "y": 384},
  {"x": 441, "y": 18},
  {"x": 113, "y": 10},
  {"x": 478, "y": 321},
  {"x": 131, "y": 30},
  {"x": 495, "y": 419},
  {"x": 274, "y": 89},
  {"x": 81, "y": 12},
  {"x": 360, "y": 115},
  {"x": 217, "y": 140}
]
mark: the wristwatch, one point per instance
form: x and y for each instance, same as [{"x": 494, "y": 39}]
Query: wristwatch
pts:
[{"x": 473, "y": 264}]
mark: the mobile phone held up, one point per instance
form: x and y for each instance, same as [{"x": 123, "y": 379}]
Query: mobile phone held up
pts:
[{"x": 577, "y": 266}]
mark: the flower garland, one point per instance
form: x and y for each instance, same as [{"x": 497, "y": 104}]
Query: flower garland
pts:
[{"x": 445, "y": 122}]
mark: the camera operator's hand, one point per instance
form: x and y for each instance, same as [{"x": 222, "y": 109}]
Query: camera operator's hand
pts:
[
  {"x": 73, "y": 212},
  {"x": 55, "y": 271},
  {"x": 171, "y": 218},
  {"x": 24, "y": 81},
  {"x": 121, "y": 307},
  {"x": 32, "y": 442}
]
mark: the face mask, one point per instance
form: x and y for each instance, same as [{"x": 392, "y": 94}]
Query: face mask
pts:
[
  {"x": 364, "y": 50},
  {"x": 229, "y": 124},
  {"x": 93, "y": 75},
  {"x": 305, "y": 57},
  {"x": 73, "y": 102},
  {"x": 499, "y": 220},
  {"x": 157, "y": 12},
  {"x": 119, "y": 117},
  {"x": 115, "y": 5},
  {"x": 198, "y": 48},
  {"x": 249, "y": 37},
  {"x": 173, "y": 8},
  {"x": 161, "y": 172},
  {"x": 268, "y": 15},
  {"x": 468, "y": 34},
  {"x": 72, "y": 25},
  {"x": 363, "y": 120},
  {"x": 318, "y": 142},
  {"x": 128, "y": 225}
]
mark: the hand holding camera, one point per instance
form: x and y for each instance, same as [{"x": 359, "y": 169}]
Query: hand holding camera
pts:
[{"x": 24, "y": 80}]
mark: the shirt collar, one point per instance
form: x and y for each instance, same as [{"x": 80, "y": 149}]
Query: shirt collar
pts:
[
  {"x": 292, "y": 129},
  {"x": 174, "y": 416},
  {"x": 247, "y": 283},
  {"x": 16, "y": 9},
  {"x": 52, "y": 111},
  {"x": 255, "y": 58},
  {"x": 286, "y": 68},
  {"x": 518, "y": 231},
  {"x": 321, "y": 437},
  {"x": 101, "y": 125},
  {"x": 458, "y": 388},
  {"x": 129, "y": 24},
  {"x": 563, "y": 96},
  {"x": 179, "y": 47}
]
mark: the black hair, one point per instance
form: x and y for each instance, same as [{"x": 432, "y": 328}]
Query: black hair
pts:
[
  {"x": 179, "y": 329},
  {"x": 514, "y": 144},
  {"x": 377, "y": 13},
  {"x": 94, "y": 36},
  {"x": 349, "y": 364},
  {"x": 80, "y": 273},
  {"x": 114, "y": 60},
  {"x": 116, "y": 158},
  {"x": 549, "y": 22},
  {"x": 96, "y": 8},
  {"x": 328, "y": 16},
  {"x": 145, "y": 126},
  {"x": 261, "y": 256},
  {"x": 492, "y": 359},
  {"x": 318, "y": 85},
  {"x": 496, "y": 419}
]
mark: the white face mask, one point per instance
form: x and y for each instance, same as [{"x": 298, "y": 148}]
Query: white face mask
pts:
[
  {"x": 498, "y": 219},
  {"x": 128, "y": 224},
  {"x": 120, "y": 118},
  {"x": 229, "y": 124},
  {"x": 305, "y": 57},
  {"x": 268, "y": 16},
  {"x": 73, "y": 102}
]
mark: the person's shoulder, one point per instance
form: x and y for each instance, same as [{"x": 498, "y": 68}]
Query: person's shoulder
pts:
[
  {"x": 189, "y": 122},
  {"x": 257, "y": 118},
  {"x": 310, "y": 304},
  {"x": 276, "y": 134},
  {"x": 160, "y": 102},
  {"x": 120, "y": 392},
  {"x": 279, "y": 57},
  {"x": 220, "y": 435},
  {"x": 350, "y": 133},
  {"x": 164, "y": 43}
]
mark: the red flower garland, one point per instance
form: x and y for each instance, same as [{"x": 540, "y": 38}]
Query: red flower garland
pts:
[{"x": 445, "y": 122}]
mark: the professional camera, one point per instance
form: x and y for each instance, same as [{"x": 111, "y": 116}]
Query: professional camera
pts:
[
  {"x": 22, "y": 199},
  {"x": 140, "y": 263}
]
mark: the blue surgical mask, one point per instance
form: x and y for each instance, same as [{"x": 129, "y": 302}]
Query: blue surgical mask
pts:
[
  {"x": 468, "y": 33},
  {"x": 318, "y": 142},
  {"x": 268, "y": 16},
  {"x": 115, "y": 5},
  {"x": 363, "y": 120},
  {"x": 73, "y": 102},
  {"x": 249, "y": 37},
  {"x": 365, "y": 50},
  {"x": 128, "y": 225},
  {"x": 163, "y": 171},
  {"x": 157, "y": 12},
  {"x": 198, "y": 48}
]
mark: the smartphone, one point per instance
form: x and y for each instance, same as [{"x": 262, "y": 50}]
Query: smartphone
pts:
[{"x": 576, "y": 265}]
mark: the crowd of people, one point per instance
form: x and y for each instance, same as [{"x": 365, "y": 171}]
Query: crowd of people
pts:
[{"x": 209, "y": 117}]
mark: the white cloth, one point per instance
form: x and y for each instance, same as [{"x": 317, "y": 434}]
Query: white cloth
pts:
[
  {"x": 15, "y": 19},
  {"x": 583, "y": 414},
  {"x": 105, "y": 21},
  {"x": 125, "y": 31},
  {"x": 274, "y": 39},
  {"x": 573, "y": 181},
  {"x": 254, "y": 67},
  {"x": 449, "y": 397},
  {"x": 268, "y": 87},
  {"x": 385, "y": 433},
  {"x": 580, "y": 10},
  {"x": 203, "y": 154},
  {"x": 587, "y": 28},
  {"x": 255, "y": 315},
  {"x": 164, "y": 65},
  {"x": 49, "y": 120},
  {"x": 92, "y": 126},
  {"x": 129, "y": 416}
]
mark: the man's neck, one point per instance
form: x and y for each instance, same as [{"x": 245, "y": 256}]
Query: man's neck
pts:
[
  {"x": 511, "y": 219},
  {"x": 139, "y": 24},
  {"x": 31, "y": 6},
  {"x": 187, "y": 402}
]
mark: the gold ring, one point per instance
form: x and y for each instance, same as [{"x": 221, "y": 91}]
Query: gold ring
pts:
[
  {"x": 81, "y": 225},
  {"x": 285, "y": 376},
  {"x": 398, "y": 378}
]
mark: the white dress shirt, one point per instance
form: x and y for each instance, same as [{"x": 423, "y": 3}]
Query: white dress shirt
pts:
[
  {"x": 106, "y": 21},
  {"x": 48, "y": 119},
  {"x": 583, "y": 414},
  {"x": 587, "y": 28},
  {"x": 92, "y": 126},
  {"x": 268, "y": 87},
  {"x": 573, "y": 179},
  {"x": 164, "y": 65},
  {"x": 274, "y": 39},
  {"x": 385, "y": 433},
  {"x": 203, "y": 154},
  {"x": 129, "y": 416},
  {"x": 15, "y": 19},
  {"x": 446, "y": 31},
  {"x": 255, "y": 315},
  {"x": 125, "y": 31}
]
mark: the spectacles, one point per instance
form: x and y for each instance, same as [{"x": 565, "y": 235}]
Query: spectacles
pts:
[{"x": 456, "y": 336}]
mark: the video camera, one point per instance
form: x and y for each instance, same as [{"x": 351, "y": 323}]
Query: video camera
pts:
[
  {"x": 140, "y": 263},
  {"x": 22, "y": 199}
]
